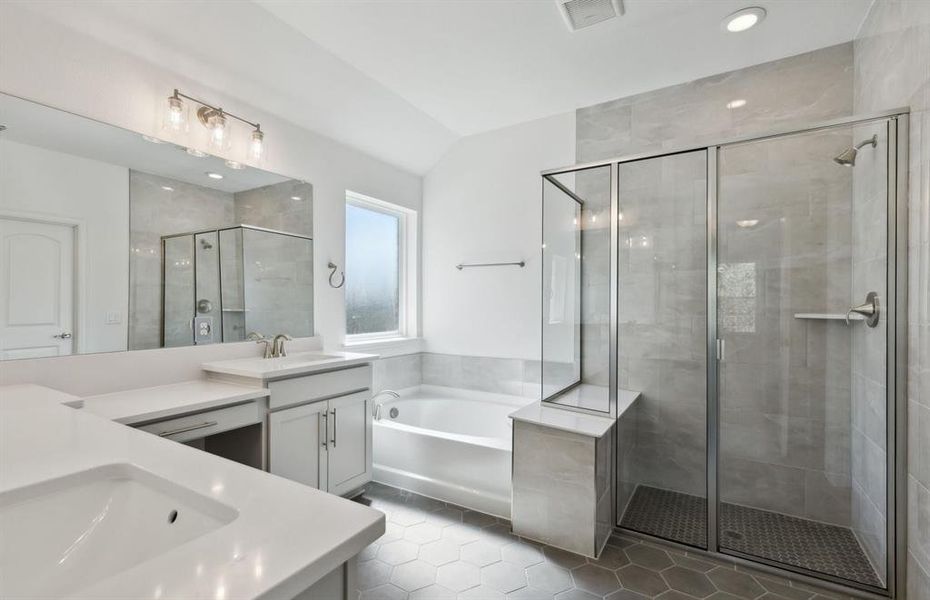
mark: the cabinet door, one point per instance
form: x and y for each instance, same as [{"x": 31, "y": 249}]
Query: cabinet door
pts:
[
  {"x": 349, "y": 442},
  {"x": 298, "y": 444}
]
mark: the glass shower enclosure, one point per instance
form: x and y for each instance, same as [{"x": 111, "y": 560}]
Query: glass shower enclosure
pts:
[
  {"x": 753, "y": 292},
  {"x": 222, "y": 285}
]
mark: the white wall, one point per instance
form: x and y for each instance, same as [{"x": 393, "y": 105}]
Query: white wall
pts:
[
  {"x": 482, "y": 203},
  {"x": 42, "y": 184},
  {"x": 47, "y": 62}
]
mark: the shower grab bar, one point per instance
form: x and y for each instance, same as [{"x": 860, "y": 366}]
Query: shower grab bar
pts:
[{"x": 520, "y": 264}]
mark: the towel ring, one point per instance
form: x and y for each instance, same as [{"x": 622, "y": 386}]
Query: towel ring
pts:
[{"x": 342, "y": 280}]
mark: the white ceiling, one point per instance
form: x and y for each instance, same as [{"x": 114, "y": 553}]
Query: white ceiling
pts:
[
  {"x": 476, "y": 65},
  {"x": 402, "y": 79}
]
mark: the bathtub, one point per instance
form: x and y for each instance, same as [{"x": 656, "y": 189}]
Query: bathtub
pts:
[{"x": 449, "y": 444}]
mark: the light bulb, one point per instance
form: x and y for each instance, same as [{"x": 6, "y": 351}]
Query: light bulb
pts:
[
  {"x": 217, "y": 125},
  {"x": 175, "y": 117},
  {"x": 257, "y": 146}
]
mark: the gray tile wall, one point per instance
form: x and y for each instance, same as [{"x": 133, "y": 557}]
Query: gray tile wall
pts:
[
  {"x": 892, "y": 69},
  {"x": 797, "y": 90},
  {"x": 154, "y": 212},
  {"x": 274, "y": 207}
]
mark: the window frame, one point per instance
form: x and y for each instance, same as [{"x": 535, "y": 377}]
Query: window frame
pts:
[{"x": 407, "y": 281}]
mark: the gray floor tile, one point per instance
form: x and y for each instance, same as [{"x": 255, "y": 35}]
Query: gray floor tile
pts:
[
  {"x": 503, "y": 577},
  {"x": 398, "y": 552},
  {"x": 410, "y": 555},
  {"x": 440, "y": 552},
  {"x": 597, "y": 580},
  {"x": 522, "y": 554},
  {"x": 549, "y": 577},
  {"x": 735, "y": 582},
  {"x": 458, "y": 576},
  {"x": 481, "y": 592},
  {"x": 433, "y": 592},
  {"x": 383, "y": 592},
  {"x": 649, "y": 557},
  {"x": 413, "y": 575},
  {"x": 373, "y": 573},
  {"x": 693, "y": 583},
  {"x": 481, "y": 553},
  {"x": 642, "y": 580}
]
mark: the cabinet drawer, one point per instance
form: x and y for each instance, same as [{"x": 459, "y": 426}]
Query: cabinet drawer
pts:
[
  {"x": 313, "y": 387},
  {"x": 198, "y": 425}
]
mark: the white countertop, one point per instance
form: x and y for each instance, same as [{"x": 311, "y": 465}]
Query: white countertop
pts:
[
  {"x": 160, "y": 402},
  {"x": 285, "y": 537},
  {"x": 299, "y": 363},
  {"x": 543, "y": 413}
]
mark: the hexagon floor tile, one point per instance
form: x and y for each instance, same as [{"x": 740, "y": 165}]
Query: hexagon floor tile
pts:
[{"x": 438, "y": 551}]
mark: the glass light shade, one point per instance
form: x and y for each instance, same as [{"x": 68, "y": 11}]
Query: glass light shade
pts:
[
  {"x": 219, "y": 131},
  {"x": 257, "y": 146},
  {"x": 175, "y": 115}
]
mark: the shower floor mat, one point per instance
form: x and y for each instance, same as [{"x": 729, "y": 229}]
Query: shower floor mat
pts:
[{"x": 810, "y": 545}]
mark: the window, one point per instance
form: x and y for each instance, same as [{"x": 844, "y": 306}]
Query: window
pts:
[{"x": 380, "y": 270}]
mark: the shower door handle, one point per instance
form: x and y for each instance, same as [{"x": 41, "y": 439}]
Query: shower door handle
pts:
[{"x": 870, "y": 310}]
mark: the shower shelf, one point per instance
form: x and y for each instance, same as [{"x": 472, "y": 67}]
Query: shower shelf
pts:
[{"x": 829, "y": 316}]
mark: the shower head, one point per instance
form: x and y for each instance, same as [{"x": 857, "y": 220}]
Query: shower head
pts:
[{"x": 847, "y": 158}]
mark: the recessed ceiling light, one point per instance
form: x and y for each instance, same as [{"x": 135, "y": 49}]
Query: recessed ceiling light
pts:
[
  {"x": 213, "y": 175},
  {"x": 748, "y": 223},
  {"x": 167, "y": 188},
  {"x": 738, "y": 103},
  {"x": 744, "y": 19},
  {"x": 154, "y": 140},
  {"x": 296, "y": 198},
  {"x": 234, "y": 165},
  {"x": 196, "y": 152}
]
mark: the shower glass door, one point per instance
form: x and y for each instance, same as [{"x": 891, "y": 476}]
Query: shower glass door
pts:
[
  {"x": 802, "y": 238},
  {"x": 662, "y": 352}
]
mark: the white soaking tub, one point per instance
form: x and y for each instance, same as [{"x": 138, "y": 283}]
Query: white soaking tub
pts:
[{"x": 448, "y": 443}]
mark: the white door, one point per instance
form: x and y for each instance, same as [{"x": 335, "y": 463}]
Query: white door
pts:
[
  {"x": 297, "y": 444},
  {"x": 36, "y": 289},
  {"x": 349, "y": 442}
]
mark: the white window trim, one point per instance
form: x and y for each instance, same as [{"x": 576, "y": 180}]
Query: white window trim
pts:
[{"x": 408, "y": 276}]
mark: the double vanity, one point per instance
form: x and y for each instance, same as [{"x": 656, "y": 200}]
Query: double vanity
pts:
[{"x": 95, "y": 501}]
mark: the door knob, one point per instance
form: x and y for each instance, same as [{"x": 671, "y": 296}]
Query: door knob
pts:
[
  {"x": 63, "y": 336},
  {"x": 870, "y": 310}
]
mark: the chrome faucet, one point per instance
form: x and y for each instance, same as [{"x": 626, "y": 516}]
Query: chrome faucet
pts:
[
  {"x": 258, "y": 338},
  {"x": 278, "y": 350},
  {"x": 376, "y": 411}
]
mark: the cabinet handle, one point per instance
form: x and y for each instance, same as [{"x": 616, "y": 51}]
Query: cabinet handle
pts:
[
  {"x": 325, "y": 443},
  {"x": 186, "y": 429},
  {"x": 334, "y": 427}
]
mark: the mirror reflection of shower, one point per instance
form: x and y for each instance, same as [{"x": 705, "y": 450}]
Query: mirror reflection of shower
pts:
[{"x": 847, "y": 158}]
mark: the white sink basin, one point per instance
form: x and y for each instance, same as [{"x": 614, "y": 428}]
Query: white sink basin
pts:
[
  {"x": 62, "y": 535},
  {"x": 295, "y": 364}
]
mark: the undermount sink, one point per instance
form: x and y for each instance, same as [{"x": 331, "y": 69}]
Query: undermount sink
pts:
[
  {"x": 63, "y": 535},
  {"x": 305, "y": 357},
  {"x": 297, "y": 363}
]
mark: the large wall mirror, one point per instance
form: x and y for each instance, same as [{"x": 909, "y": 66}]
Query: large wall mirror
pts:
[{"x": 113, "y": 241}]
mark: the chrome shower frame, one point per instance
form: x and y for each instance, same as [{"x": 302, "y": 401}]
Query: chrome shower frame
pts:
[{"x": 897, "y": 123}]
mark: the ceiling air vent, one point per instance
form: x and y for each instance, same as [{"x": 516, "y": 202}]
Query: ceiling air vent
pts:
[{"x": 579, "y": 14}]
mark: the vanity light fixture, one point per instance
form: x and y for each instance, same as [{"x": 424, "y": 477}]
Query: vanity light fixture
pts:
[
  {"x": 216, "y": 120},
  {"x": 212, "y": 175},
  {"x": 744, "y": 19}
]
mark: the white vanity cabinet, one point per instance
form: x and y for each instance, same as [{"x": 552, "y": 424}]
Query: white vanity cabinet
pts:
[{"x": 320, "y": 429}]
